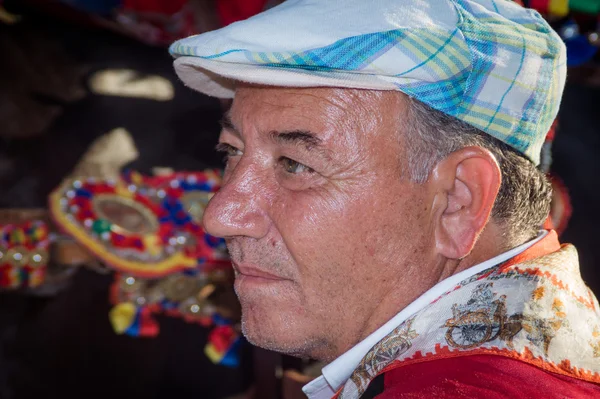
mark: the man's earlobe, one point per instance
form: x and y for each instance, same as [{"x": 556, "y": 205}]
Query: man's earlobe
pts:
[{"x": 466, "y": 184}]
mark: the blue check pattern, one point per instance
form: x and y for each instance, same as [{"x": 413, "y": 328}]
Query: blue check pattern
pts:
[{"x": 501, "y": 74}]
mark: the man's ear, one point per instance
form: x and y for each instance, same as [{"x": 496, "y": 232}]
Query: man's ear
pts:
[{"x": 465, "y": 184}]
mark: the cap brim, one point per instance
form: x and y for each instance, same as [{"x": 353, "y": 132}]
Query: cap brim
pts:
[{"x": 219, "y": 79}]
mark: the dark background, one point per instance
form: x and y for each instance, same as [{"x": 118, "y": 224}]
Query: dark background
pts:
[{"x": 64, "y": 346}]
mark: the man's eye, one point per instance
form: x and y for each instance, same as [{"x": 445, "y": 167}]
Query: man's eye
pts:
[
  {"x": 293, "y": 167},
  {"x": 228, "y": 150}
]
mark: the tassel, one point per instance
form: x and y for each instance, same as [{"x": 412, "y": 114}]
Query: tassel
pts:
[
  {"x": 122, "y": 317},
  {"x": 223, "y": 346},
  {"x": 148, "y": 326}
]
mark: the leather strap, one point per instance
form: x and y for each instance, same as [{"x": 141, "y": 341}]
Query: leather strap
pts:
[
  {"x": 65, "y": 251},
  {"x": 20, "y": 216}
]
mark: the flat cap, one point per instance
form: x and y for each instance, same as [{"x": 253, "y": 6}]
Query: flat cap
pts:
[{"x": 490, "y": 63}]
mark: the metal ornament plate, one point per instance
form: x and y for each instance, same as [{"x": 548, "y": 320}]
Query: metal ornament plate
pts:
[
  {"x": 126, "y": 215},
  {"x": 179, "y": 287}
]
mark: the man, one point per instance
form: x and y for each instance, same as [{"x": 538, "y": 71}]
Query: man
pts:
[{"x": 381, "y": 202}]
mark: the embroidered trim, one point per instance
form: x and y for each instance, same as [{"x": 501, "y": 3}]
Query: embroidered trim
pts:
[
  {"x": 556, "y": 282},
  {"x": 444, "y": 352}
]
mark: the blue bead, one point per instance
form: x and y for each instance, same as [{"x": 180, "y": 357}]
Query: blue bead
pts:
[
  {"x": 172, "y": 205},
  {"x": 82, "y": 192},
  {"x": 220, "y": 320},
  {"x": 190, "y": 272},
  {"x": 212, "y": 241}
]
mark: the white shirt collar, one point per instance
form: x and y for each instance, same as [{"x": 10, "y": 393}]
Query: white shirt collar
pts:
[{"x": 336, "y": 373}]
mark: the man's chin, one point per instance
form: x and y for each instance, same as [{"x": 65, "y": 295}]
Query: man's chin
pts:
[{"x": 276, "y": 333}]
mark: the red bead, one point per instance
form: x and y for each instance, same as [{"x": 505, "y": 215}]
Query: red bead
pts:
[
  {"x": 174, "y": 192},
  {"x": 104, "y": 189}
]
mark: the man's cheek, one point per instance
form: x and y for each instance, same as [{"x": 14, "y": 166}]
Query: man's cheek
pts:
[{"x": 315, "y": 208}]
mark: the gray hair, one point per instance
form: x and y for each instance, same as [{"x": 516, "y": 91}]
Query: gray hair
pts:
[{"x": 525, "y": 194}]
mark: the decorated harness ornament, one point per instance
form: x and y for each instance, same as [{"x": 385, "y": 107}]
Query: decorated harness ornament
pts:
[
  {"x": 148, "y": 229},
  {"x": 23, "y": 254},
  {"x": 149, "y": 226}
]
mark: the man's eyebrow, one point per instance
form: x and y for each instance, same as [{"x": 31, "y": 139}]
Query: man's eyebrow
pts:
[
  {"x": 303, "y": 137},
  {"x": 227, "y": 124},
  {"x": 310, "y": 141}
]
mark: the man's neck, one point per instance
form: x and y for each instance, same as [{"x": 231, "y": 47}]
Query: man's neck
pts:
[{"x": 489, "y": 245}]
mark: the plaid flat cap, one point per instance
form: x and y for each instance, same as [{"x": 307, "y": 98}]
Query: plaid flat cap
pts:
[{"x": 490, "y": 63}]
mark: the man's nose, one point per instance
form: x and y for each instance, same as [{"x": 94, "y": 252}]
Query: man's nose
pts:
[{"x": 239, "y": 207}]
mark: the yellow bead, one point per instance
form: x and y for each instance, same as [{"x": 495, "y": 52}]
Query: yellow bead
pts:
[
  {"x": 152, "y": 245},
  {"x": 17, "y": 236}
]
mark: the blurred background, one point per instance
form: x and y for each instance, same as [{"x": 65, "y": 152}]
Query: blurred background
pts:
[{"x": 87, "y": 88}]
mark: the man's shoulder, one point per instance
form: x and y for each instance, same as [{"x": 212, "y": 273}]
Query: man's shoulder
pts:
[{"x": 479, "y": 376}]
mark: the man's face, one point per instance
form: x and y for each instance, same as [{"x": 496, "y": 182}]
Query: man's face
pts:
[{"x": 322, "y": 227}]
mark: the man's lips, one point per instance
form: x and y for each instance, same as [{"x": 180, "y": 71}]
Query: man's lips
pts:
[{"x": 253, "y": 271}]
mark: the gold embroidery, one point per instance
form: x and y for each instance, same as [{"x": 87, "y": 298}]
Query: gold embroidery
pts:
[
  {"x": 482, "y": 319},
  {"x": 559, "y": 307},
  {"x": 595, "y": 343},
  {"x": 388, "y": 349}
]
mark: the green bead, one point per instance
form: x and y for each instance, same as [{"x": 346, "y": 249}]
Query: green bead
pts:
[{"x": 101, "y": 226}]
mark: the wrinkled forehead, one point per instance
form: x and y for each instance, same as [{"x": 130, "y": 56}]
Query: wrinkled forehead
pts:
[{"x": 325, "y": 110}]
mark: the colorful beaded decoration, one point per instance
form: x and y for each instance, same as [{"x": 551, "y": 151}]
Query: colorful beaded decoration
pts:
[
  {"x": 149, "y": 230},
  {"x": 193, "y": 296},
  {"x": 196, "y": 297},
  {"x": 23, "y": 254},
  {"x": 146, "y": 226}
]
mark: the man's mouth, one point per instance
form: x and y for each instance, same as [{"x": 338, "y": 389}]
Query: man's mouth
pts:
[{"x": 246, "y": 270}]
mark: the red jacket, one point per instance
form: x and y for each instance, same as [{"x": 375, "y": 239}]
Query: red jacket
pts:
[{"x": 477, "y": 376}]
